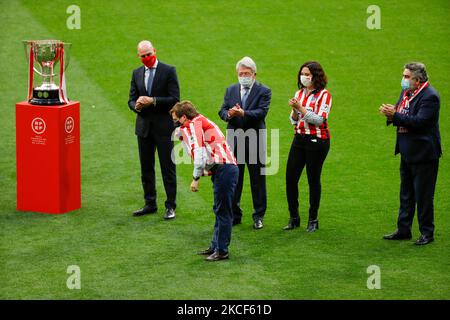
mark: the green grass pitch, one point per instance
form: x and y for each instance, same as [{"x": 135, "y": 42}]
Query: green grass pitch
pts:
[{"x": 122, "y": 257}]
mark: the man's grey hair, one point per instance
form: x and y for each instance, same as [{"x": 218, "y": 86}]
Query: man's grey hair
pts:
[
  {"x": 246, "y": 62},
  {"x": 418, "y": 71},
  {"x": 145, "y": 44}
]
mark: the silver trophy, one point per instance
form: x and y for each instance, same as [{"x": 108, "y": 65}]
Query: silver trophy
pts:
[{"x": 49, "y": 60}]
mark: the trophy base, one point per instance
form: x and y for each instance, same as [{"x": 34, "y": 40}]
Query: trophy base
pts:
[{"x": 45, "y": 97}]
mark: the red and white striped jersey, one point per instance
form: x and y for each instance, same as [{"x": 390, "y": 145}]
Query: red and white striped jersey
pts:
[
  {"x": 318, "y": 102},
  {"x": 206, "y": 144}
]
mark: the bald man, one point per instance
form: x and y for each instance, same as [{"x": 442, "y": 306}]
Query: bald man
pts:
[{"x": 154, "y": 90}]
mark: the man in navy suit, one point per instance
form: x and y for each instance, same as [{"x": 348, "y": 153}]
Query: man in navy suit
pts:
[
  {"x": 416, "y": 116},
  {"x": 245, "y": 107},
  {"x": 154, "y": 90}
]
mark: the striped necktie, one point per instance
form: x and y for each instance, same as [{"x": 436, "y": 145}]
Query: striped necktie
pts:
[{"x": 244, "y": 97}]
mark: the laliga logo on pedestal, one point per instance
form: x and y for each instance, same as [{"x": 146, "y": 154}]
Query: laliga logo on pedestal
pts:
[
  {"x": 38, "y": 125},
  {"x": 69, "y": 124}
]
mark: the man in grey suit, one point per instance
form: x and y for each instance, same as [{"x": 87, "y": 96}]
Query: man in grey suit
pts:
[
  {"x": 154, "y": 90},
  {"x": 244, "y": 108}
]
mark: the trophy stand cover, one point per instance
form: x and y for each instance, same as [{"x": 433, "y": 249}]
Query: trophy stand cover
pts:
[{"x": 48, "y": 135}]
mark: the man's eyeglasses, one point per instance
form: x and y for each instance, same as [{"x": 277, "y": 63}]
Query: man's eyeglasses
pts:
[{"x": 146, "y": 55}]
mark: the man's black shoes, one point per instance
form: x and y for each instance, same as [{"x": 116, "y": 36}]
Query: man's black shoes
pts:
[
  {"x": 258, "y": 224},
  {"x": 293, "y": 223},
  {"x": 423, "y": 240},
  {"x": 217, "y": 256},
  {"x": 170, "y": 214},
  {"x": 213, "y": 255},
  {"x": 236, "y": 222},
  {"x": 206, "y": 252},
  {"x": 313, "y": 225},
  {"x": 398, "y": 236},
  {"x": 147, "y": 209}
]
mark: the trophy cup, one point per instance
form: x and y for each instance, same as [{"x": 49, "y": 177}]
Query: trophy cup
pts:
[{"x": 44, "y": 57}]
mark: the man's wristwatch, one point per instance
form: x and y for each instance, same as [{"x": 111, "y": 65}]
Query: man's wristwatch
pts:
[{"x": 196, "y": 178}]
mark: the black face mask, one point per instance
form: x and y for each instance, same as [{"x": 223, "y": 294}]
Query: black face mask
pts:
[{"x": 177, "y": 124}]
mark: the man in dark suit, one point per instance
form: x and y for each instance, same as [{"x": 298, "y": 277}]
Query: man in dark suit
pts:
[
  {"x": 154, "y": 90},
  {"x": 416, "y": 116},
  {"x": 245, "y": 107}
]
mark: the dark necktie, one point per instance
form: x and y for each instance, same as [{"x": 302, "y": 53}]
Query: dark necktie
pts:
[
  {"x": 244, "y": 97},
  {"x": 150, "y": 81}
]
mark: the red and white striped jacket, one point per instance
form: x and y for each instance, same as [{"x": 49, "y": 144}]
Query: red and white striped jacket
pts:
[
  {"x": 318, "y": 102},
  {"x": 206, "y": 144}
]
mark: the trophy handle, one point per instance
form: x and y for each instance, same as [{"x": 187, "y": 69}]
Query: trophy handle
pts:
[{"x": 67, "y": 48}]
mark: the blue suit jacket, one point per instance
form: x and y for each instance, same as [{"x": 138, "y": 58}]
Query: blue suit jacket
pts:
[
  {"x": 255, "y": 111},
  {"x": 422, "y": 142}
]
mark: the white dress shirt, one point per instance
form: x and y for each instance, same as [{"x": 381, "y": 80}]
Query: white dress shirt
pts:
[
  {"x": 147, "y": 73},
  {"x": 243, "y": 90}
]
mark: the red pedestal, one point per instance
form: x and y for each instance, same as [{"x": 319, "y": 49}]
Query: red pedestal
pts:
[{"x": 48, "y": 157}]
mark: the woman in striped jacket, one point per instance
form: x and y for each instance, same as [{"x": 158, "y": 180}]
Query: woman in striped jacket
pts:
[{"x": 311, "y": 106}]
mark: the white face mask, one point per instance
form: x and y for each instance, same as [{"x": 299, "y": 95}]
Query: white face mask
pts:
[
  {"x": 306, "y": 81},
  {"x": 246, "y": 81}
]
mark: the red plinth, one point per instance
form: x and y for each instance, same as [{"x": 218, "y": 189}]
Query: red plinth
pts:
[{"x": 48, "y": 157}]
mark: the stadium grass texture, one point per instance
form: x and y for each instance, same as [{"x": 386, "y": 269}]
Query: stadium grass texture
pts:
[{"x": 122, "y": 257}]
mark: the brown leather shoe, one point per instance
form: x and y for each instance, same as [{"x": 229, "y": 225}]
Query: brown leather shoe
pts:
[{"x": 216, "y": 256}]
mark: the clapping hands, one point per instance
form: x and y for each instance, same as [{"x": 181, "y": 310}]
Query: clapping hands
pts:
[
  {"x": 387, "y": 110},
  {"x": 236, "y": 111}
]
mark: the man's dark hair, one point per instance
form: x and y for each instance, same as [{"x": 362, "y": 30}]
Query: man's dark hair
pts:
[{"x": 418, "y": 71}]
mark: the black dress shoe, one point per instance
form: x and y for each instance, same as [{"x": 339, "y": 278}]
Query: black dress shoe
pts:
[
  {"x": 313, "y": 225},
  {"x": 147, "y": 209},
  {"x": 423, "y": 240},
  {"x": 258, "y": 224},
  {"x": 397, "y": 236},
  {"x": 207, "y": 252},
  {"x": 170, "y": 214},
  {"x": 293, "y": 223},
  {"x": 216, "y": 256},
  {"x": 236, "y": 222}
]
